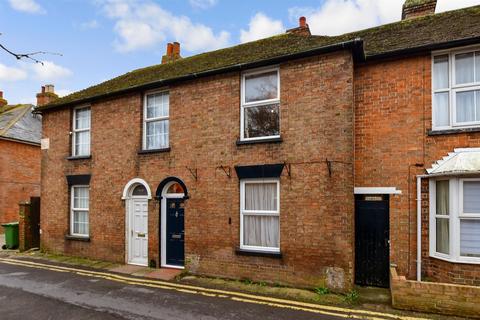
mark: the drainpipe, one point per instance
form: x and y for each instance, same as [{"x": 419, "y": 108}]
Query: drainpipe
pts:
[
  {"x": 419, "y": 225},
  {"x": 419, "y": 228}
]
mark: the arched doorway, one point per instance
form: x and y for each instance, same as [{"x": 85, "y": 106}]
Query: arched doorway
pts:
[
  {"x": 136, "y": 195},
  {"x": 172, "y": 192}
]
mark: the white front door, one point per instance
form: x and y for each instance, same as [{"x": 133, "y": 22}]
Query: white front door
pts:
[{"x": 138, "y": 233}]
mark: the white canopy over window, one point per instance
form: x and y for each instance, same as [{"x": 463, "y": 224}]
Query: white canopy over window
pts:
[{"x": 460, "y": 162}]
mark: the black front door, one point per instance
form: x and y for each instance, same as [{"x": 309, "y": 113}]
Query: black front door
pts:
[
  {"x": 175, "y": 254},
  {"x": 372, "y": 250}
]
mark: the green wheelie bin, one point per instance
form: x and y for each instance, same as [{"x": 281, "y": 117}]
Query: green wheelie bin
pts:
[{"x": 11, "y": 235}]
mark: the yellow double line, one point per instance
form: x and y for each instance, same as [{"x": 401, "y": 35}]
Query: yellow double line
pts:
[{"x": 235, "y": 296}]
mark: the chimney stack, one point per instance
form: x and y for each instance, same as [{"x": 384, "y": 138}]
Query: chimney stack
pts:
[
  {"x": 3, "y": 102},
  {"x": 418, "y": 8},
  {"x": 47, "y": 95},
  {"x": 302, "y": 29},
  {"x": 173, "y": 53}
]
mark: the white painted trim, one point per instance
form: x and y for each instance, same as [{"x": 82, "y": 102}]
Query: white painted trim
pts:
[
  {"x": 455, "y": 215},
  {"x": 419, "y": 228},
  {"x": 377, "y": 190},
  {"x": 72, "y": 209},
  {"x": 163, "y": 118},
  {"x": 244, "y": 104},
  {"x": 129, "y": 206},
  {"x": 126, "y": 195},
  {"x": 163, "y": 223},
  {"x": 453, "y": 88},
  {"x": 268, "y": 213},
  {"x": 132, "y": 183},
  {"x": 75, "y": 130}
]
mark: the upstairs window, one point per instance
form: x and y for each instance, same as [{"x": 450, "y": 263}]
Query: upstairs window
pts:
[
  {"x": 260, "y": 110},
  {"x": 156, "y": 121},
  {"x": 81, "y": 132},
  {"x": 456, "y": 90}
]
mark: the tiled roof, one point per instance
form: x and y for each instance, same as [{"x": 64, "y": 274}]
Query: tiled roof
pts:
[
  {"x": 443, "y": 29},
  {"x": 19, "y": 123}
]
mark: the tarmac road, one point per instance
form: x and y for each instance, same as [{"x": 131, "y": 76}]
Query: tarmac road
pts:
[{"x": 34, "y": 293}]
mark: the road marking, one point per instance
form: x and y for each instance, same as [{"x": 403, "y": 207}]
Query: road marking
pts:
[{"x": 236, "y": 296}]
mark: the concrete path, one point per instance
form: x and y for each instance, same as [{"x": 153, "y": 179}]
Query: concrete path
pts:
[{"x": 37, "y": 290}]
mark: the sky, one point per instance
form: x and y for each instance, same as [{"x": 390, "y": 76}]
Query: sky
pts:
[{"x": 101, "y": 39}]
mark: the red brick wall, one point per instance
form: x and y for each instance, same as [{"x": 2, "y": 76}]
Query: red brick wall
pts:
[
  {"x": 316, "y": 209},
  {"x": 392, "y": 117},
  {"x": 434, "y": 297},
  {"x": 19, "y": 177}
]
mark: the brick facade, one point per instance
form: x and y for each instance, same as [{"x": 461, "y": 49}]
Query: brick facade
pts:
[
  {"x": 19, "y": 177},
  {"x": 316, "y": 208},
  {"x": 393, "y": 115}
]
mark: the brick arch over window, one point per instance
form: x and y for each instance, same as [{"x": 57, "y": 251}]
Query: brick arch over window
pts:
[{"x": 161, "y": 186}]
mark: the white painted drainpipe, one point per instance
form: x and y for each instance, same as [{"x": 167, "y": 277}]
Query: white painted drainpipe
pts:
[{"x": 419, "y": 228}]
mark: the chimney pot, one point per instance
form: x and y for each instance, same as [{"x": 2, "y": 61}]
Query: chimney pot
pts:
[
  {"x": 47, "y": 95},
  {"x": 302, "y": 22},
  {"x": 169, "y": 49},
  {"x": 1, "y": 94},
  {"x": 176, "y": 49}
]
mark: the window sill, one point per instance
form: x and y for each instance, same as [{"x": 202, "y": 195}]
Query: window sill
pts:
[
  {"x": 79, "y": 157},
  {"x": 77, "y": 238},
  {"x": 452, "y": 131},
  {"x": 154, "y": 151},
  {"x": 254, "y": 253},
  {"x": 457, "y": 261},
  {"x": 259, "y": 141}
]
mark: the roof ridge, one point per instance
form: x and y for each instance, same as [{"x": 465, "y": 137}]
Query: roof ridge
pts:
[
  {"x": 407, "y": 21},
  {"x": 13, "y": 121}
]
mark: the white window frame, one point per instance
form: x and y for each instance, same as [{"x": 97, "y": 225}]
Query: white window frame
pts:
[
  {"x": 75, "y": 131},
  {"x": 244, "y": 212},
  {"x": 453, "y": 89},
  {"x": 267, "y": 102},
  {"x": 455, "y": 215},
  {"x": 73, "y": 209},
  {"x": 146, "y": 120}
]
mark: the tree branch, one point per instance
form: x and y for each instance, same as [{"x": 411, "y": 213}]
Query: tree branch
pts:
[{"x": 30, "y": 56}]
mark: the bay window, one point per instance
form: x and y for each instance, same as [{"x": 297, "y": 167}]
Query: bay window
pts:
[
  {"x": 455, "y": 219},
  {"x": 456, "y": 89},
  {"x": 260, "y": 107},
  {"x": 260, "y": 214},
  {"x": 156, "y": 121}
]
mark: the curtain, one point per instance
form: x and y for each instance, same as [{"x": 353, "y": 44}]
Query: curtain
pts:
[
  {"x": 471, "y": 197},
  {"x": 440, "y": 72},
  {"x": 464, "y": 66},
  {"x": 470, "y": 238},
  {"x": 82, "y": 143},
  {"x": 261, "y": 231},
  {"x": 261, "y": 196},
  {"x": 443, "y": 236},
  {"x": 442, "y": 110},
  {"x": 442, "y": 224},
  {"x": 466, "y": 106},
  {"x": 442, "y": 197}
]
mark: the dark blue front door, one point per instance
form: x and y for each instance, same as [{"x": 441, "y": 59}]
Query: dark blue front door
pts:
[{"x": 175, "y": 254}]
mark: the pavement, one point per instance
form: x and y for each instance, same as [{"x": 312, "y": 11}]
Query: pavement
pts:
[{"x": 36, "y": 289}]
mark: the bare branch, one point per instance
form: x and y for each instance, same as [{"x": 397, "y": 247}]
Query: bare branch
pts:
[{"x": 29, "y": 56}]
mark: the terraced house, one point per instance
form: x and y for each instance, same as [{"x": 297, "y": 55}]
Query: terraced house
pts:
[{"x": 301, "y": 159}]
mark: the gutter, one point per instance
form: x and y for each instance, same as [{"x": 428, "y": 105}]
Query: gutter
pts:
[
  {"x": 355, "y": 45},
  {"x": 424, "y": 48},
  {"x": 36, "y": 144}
]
